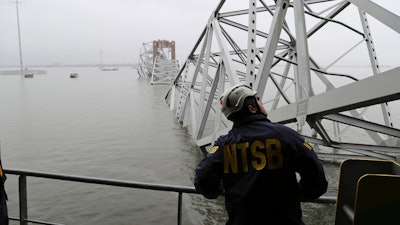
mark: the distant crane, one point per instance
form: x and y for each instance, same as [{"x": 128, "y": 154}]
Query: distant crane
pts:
[
  {"x": 22, "y": 71},
  {"x": 19, "y": 36}
]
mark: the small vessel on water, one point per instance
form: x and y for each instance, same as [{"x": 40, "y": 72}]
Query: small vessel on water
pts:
[
  {"x": 73, "y": 75},
  {"x": 103, "y": 68},
  {"x": 28, "y": 75},
  {"x": 109, "y": 69}
]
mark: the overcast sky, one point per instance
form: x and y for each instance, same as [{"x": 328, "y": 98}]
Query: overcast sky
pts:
[{"x": 74, "y": 31}]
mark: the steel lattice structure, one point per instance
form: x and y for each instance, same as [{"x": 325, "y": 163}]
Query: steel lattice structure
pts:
[
  {"x": 145, "y": 65},
  {"x": 157, "y": 60},
  {"x": 285, "y": 50}
]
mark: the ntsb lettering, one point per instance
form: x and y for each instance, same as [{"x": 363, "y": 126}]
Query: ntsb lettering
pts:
[{"x": 258, "y": 154}]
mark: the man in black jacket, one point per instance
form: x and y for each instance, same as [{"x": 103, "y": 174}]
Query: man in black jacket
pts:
[
  {"x": 3, "y": 198},
  {"x": 256, "y": 163}
]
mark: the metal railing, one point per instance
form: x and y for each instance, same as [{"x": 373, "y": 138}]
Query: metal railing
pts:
[{"x": 23, "y": 204}]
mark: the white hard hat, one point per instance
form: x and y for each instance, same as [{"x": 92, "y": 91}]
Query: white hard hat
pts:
[{"x": 233, "y": 98}]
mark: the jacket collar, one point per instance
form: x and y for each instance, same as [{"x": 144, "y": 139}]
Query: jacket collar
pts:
[{"x": 249, "y": 119}]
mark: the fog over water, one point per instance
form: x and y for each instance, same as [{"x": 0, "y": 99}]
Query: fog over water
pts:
[{"x": 108, "y": 125}]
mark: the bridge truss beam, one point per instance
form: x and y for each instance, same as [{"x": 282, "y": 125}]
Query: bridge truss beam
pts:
[{"x": 291, "y": 51}]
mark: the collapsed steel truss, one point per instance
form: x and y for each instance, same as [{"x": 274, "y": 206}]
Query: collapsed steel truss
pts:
[
  {"x": 276, "y": 49},
  {"x": 157, "y": 60}
]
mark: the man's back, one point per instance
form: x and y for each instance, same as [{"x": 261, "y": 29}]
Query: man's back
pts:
[
  {"x": 256, "y": 165},
  {"x": 257, "y": 162}
]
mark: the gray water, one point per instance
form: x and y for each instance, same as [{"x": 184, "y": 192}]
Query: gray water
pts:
[{"x": 109, "y": 125}]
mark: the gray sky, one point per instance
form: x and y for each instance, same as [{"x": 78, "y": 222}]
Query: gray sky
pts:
[{"x": 74, "y": 31}]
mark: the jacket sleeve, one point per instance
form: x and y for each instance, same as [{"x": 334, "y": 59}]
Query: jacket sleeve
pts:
[
  {"x": 208, "y": 174},
  {"x": 312, "y": 183}
]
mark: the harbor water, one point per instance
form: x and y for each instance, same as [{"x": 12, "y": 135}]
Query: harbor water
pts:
[{"x": 112, "y": 125}]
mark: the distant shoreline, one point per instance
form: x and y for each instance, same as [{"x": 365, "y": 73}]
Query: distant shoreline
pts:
[
  {"x": 134, "y": 65},
  {"x": 69, "y": 65}
]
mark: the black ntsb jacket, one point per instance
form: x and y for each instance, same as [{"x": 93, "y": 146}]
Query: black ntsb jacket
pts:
[{"x": 255, "y": 164}]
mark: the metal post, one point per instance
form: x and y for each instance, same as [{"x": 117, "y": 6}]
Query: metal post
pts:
[
  {"x": 180, "y": 208},
  {"x": 23, "y": 201}
]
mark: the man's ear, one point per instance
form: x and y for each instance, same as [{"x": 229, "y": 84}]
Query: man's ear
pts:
[{"x": 252, "y": 109}]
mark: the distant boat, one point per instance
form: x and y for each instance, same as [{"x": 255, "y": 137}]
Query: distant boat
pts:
[
  {"x": 102, "y": 68},
  {"x": 28, "y": 75},
  {"x": 73, "y": 75},
  {"x": 109, "y": 69}
]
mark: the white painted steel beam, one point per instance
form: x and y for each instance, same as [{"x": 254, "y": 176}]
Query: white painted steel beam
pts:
[
  {"x": 304, "y": 89},
  {"x": 208, "y": 105},
  {"x": 363, "y": 124},
  {"x": 270, "y": 46},
  {"x": 201, "y": 120},
  {"x": 226, "y": 58},
  {"x": 237, "y": 43},
  {"x": 359, "y": 94},
  {"x": 251, "y": 43},
  {"x": 388, "y": 18}
]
